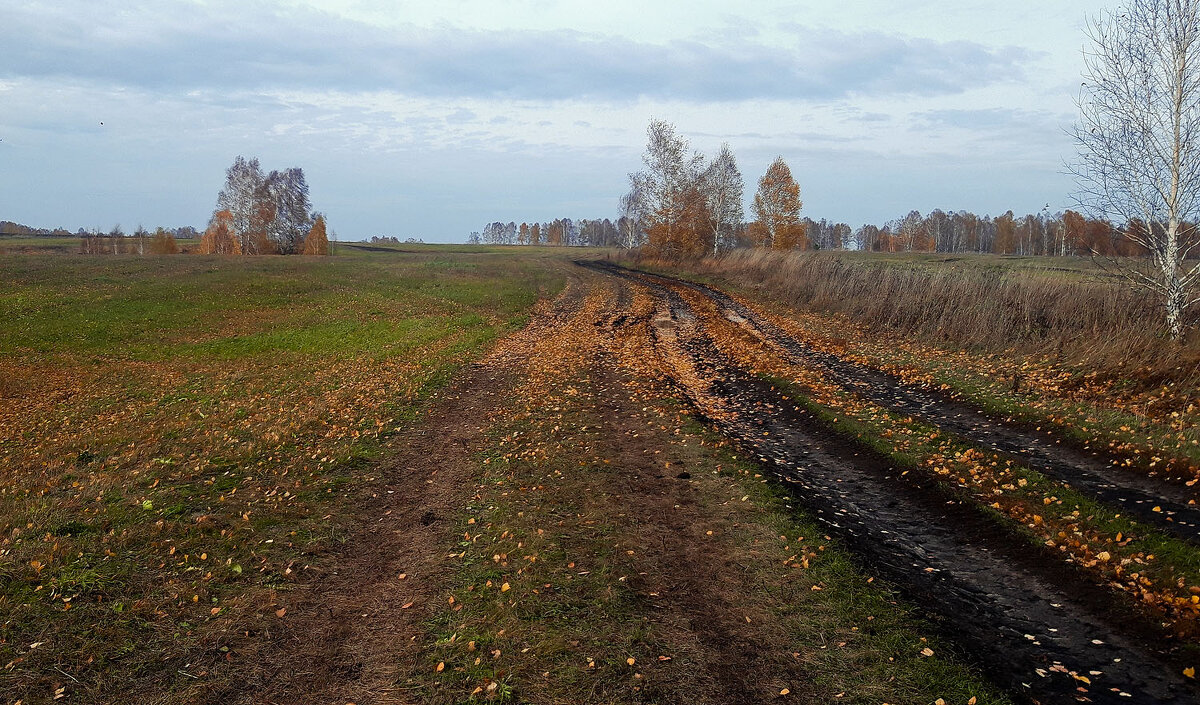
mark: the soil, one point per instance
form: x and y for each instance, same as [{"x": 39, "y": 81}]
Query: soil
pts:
[
  {"x": 344, "y": 638},
  {"x": 1033, "y": 623}
]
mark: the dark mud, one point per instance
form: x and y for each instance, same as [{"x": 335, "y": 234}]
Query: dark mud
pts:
[
  {"x": 1033, "y": 622},
  {"x": 1132, "y": 493}
]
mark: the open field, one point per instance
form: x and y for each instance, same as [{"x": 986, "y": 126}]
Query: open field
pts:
[
  {"x": 179, "y": 434},
  {"x": 277, "y": 480}
]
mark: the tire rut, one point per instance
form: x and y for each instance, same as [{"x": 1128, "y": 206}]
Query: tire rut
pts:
[
  {"x": 1151, "y": 501},
  {"x": 1035, "y": 624}
]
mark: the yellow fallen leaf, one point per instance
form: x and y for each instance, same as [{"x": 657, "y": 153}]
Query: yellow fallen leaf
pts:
[
  {"x": 785, "y": 691},
  {"x": 630, "y": 661},
  {"x": 441, "y": 666},
  {"x": 927, "y": 651},
  {"x": 1190, "y": 672},
  {"x": 505, "y": 587}
]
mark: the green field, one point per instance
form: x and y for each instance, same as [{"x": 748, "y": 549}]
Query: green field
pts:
[{"x": 177, "y": 434}]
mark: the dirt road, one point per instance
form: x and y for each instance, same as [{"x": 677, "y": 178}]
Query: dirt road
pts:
[
  {"x": 1035, "y": 623},
  {"x": 626, "y": 530}
]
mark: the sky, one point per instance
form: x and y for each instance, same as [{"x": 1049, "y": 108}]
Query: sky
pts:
[{"x": 430, "y": 119}]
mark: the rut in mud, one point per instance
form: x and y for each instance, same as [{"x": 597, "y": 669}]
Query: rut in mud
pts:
[
  {"x": 1034, "y": 623},
  {"x": 1164, "y": 505}
]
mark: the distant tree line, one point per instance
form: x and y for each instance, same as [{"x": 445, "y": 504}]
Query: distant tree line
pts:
[
  {"x": 1062, "y": 234},
  {"x": 684, "y": 205},
  {"x": 7, "y": 227},
  {"x": 393, "y": 240},
  {"x": 563, "y": 231},
  {"x": 162, "y": 241}
]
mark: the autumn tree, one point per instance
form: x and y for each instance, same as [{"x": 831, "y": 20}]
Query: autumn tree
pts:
[
  {"x": 777, "y": 209},
  {"x": 1005, "y": 242},
  {"x": 669, "y": 186},
  {"x": 220, "y": 238},
  {"x": 1139, "y": 144},
  {"x": 163, "y": 243},
  {"x": 258, "y": 240},
  {"x": 316, "y": 242},
  {"x": 270, "y": 212},
  {"x": 241, "y": 196}
]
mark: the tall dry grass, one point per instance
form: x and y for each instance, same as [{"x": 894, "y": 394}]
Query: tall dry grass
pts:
[{"x": 1079, "y": 316}]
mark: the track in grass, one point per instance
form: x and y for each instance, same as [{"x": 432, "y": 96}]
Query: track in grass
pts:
[{"x": 1034, "y": 623}]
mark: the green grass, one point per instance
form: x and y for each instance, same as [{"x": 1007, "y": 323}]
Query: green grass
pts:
[{"x": 180, "y": 436}]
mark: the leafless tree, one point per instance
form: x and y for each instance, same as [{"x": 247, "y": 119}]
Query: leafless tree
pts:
[
  {"x": 634, "y": 214},
  {"x": 287, "y": 192},
  {"x": 1139, "y": 143},
  {"x": 244, "y": 184},
  {"x": 722, "y": 186}
]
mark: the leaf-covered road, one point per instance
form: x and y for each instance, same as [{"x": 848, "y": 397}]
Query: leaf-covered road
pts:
[
  {"x": 559, "y": 530},
  {"x": 1041, "y": 626}
]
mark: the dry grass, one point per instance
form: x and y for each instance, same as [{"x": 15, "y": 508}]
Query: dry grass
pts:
[{"x": 987, "y": 303}]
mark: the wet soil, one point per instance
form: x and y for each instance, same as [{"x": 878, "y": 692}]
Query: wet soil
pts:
[
  {"x": 1152, "y": 501},
  {"x": 1035, "y": 624}
]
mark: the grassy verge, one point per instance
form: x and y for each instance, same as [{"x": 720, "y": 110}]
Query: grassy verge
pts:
[{"x": 178, "y": 437}]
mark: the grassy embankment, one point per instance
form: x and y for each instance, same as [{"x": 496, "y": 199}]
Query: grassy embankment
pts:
[{"x": 178, "y": 437}]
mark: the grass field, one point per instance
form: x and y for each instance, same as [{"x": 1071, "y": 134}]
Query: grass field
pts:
[
  {"x": 187, "y": 443},
  {"x": 178, "y": 434}
]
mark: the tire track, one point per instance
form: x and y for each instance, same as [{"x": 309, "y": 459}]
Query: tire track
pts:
[
  {"x": 1167, "y": 507},
  {"x": 1033, "y": 622}
]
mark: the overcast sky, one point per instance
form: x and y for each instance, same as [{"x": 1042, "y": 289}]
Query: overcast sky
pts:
[{"x": 429, "y": 119}]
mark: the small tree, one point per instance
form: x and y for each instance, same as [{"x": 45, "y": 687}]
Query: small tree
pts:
[
  {"x": 777, "y": 208},
  {"x": 220, "y": 238},
  {"x": 163, "y": 243},
  {"x": 316, "y": 242},
  {"x": 667, "y": 191},
  {"x": 1139, "y": 144}
]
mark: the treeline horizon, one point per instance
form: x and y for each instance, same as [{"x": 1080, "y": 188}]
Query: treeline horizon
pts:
[
  {"x": 683, "y": 205},
  {"x": 1068, "y": 233}
]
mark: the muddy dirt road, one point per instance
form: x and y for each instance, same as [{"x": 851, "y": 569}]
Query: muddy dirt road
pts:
[
  {"x": 634, "y": 543},
  {"x": 1034, "y": 622}
]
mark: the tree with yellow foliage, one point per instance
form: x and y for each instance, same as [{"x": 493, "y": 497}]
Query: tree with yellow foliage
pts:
[
  {"x": 316, "y": 242},
  {"x": 777, "y": 208},
  {"x": 163, "y": 243},
  {"x": 220, "y": 238}
]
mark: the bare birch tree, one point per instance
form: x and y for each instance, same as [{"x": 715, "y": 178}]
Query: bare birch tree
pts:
[
  {"x": 722, "y": 186},
  {"x": 1139, "y": 143}
]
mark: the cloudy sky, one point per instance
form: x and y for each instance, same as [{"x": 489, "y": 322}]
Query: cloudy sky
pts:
[{"x": 428, "y": 119}]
